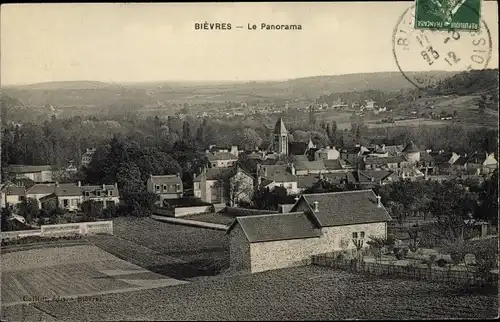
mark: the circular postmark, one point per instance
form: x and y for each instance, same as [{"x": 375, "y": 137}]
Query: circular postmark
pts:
[{"x": 431, "y": 50}]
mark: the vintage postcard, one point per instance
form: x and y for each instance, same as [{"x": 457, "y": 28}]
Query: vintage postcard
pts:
[{"x": 249, "y": 161}]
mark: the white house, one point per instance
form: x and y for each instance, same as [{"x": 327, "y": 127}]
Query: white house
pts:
[
  {"x": 278, "y": 175},
  {"x": 222, "y": 158},
  {"x": 67, "y": 196},
  {"x": 317, "y": 223},
  {"x": 87, "y": 157},
  {"x": 328, "y": 153},
  {"x": 11, "y": 195},
  {"x": 103, "y": 195}
]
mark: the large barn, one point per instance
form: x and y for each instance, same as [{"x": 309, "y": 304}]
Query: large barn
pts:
[{"x": 317, "y": 223}]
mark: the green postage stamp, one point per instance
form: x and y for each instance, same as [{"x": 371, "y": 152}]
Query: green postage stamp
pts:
[{"x": 448, "y": 14}]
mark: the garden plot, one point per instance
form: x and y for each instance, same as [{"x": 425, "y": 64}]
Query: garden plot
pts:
[{"x": 42, "y": 274}]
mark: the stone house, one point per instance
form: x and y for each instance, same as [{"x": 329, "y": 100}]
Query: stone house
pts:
[
  {"x": 87, "y": 157},
  {"x": 165, "y": 187},
  {"x": 104, "y": 195},
  {"x": 316, "y": 224},
  {"x": 277, "y": 175},
  {"x": 368, "y": 179},
  {"x": 37, "y": 173},
  {"x": 328, "y": 153},
  {"x": 222, "y": 159},
  {"x": 224, "y": 185},
  {"x": 482, "y": 163},
  {"x": 67, "y": 196}
]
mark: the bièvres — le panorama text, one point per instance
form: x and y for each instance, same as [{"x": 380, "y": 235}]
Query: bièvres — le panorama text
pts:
[{"x": 228, "y": 26}]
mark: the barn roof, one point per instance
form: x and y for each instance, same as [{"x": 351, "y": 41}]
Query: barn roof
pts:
[
  {"x": 346, "y": 208},
  {"x": 273, "y": 227},
  {"x": 411, "y": 148}
]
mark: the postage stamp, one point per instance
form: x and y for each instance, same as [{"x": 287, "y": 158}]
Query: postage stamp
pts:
[
  {"x": 448, "y": 14},
  {"x": 437, "y": 50}
]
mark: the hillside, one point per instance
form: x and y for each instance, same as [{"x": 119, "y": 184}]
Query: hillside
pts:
[{"x": 88, "y": 93}]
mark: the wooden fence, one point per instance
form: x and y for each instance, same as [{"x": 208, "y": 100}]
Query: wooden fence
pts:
[{"x": 447, "y": 276}]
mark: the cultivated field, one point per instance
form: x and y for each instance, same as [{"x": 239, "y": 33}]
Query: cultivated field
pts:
[
  {"x": 290, "y": 294},
  {"x": 34, "y": 274},
  {"x": 174, "y": 250}
]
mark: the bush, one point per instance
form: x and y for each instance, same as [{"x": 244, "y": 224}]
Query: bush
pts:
[
  {"x": 400, "y": 252},
  {"x": 340, "y": 256},
  {"x": 441, "y": 262}
]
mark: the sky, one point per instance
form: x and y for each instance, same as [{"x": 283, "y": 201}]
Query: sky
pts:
[{"x": 158, "y": 42}]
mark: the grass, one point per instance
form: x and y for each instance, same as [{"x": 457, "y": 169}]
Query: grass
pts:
[{"x": 302, "y": 293}]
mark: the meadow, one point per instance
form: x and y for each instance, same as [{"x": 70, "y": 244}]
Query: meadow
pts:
[{"x": 302, "y": 293}]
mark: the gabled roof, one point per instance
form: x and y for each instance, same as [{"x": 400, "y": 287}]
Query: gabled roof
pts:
[
  {"x": 12, "y": 190},
  {"x": 264, "y": 183},
  {"x": 462, "y": 160},
  {"x": 477, "y": 158},
  {"x": 346, "y": 208},
  {"x": 273, "y": 227},
  {"x": 440, "y": 158},
  {"x": 21, "y": 168},
  {"x": 220, "y": 156},
  {"x": 411, "y": 148},
  {"x": 382, "y": 161},
  {"x": 278, "y": 173},
  {"x": 280, "y": 128},
  {"x": 333, "y": 164},
  {"x": 221, "y": 173},
  {"x": 297, "y": 148},
  {"x": 166, "y": 179},
  {"x": 377, "y": 175},
  {"x": 310, "y": 165},
  {"x": 92, "y": 190},
  {"x": 62, "y": 189}
]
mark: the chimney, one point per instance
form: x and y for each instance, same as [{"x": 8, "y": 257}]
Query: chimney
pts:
[
  {"x": 292, "y": 169},
  {"x": 103, "y": 186},
  {"x": 79, "y": 183},
  {"x": 379, "y": 203},
  {"x": 316, "y": 206},
  {"x": 56, "y": 184},
  {"x": 296, "y": 199},
  {"x": 116, "y": 184},
  {"x": 178, "y": 174}
]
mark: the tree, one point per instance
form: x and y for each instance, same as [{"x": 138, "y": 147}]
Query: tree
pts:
[
  {"x": 267, "y": 199},
  {"x": 29, "y": 209},
  {"x": 249, "y": 139},
  {"x": 128, "y": 178},
  {"x": 396, "y": 210},
  {"x": 481, "y": 104},
  {"x": 6, "y": 224},
  {"x": 91, "y": 210},
  {"x": 110, "y": 211},
  {"x": 488, "y": 200}
]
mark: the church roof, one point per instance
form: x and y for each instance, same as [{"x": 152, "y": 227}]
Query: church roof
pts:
[{"x": 280, "y": 128}]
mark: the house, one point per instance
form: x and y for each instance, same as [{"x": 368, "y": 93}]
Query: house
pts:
[
  {"x": 353, "y": 154},
  {"x": 317, "y": 224},
  {"x": 270, "y": 176},
  {"x": 339, "y": 178},
  {"x": 224, "y": 185},
  {"x": 165, "y": 187},
  {"x": 383, "y": 151},
  {"x": 222, "y": 157},
  {"x": 67, "y": 196},
  {"x": 87, "y": 157},
  {"x": 11, "y": 195},
  {"x": 37, "y": 173},
  {"x": 368, "y": 179},
  {"x": 482, "y": 163},
  {"x": 326, "y": 154},
  {"x": 369, "y": 104},
  {"x": 104, "y": 195}
]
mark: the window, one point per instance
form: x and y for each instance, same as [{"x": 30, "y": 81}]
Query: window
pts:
[
  {"x": 110, "y": 192},
  {"x": 157, "y": 188},
  {"x": 164, "y": 187},
  {"x": 65, "y": 203},
  {"x": 362, "y": 234},
  {"x": 197, "y": 185},
  {"x": 355, "y": 235},
  {"x": 98, "y": 193},
  {"x": 178, "y": 187}
]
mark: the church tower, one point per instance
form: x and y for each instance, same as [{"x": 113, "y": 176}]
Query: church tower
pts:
[{"x": 280, "y": 138}]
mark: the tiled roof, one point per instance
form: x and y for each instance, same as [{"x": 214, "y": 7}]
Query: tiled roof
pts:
[
  {"x": 461, "y": 161},
  {"x": 411, "y": 148},
  {"x": 20, "y": 168},
  {"x": 220, "y": 173},
  {"x": 477, "y": 158},
  {"x": 333, "y": 164},
  {"x": 301, "y": 158},
  {"x": 297, "y": 148},
  {"x": 425, "y": 156},
  {"x": 280, "y": 128},
  {"x": 278, "y": 173},
  {"x": 307, "y": 181},
  {"x": 14, "y": 191},
  {"x": 220, "y": 156},
  {"x": 39, "y": 189},
  {"x": 346, "y": 208},
  {"x": 336, "y": 178},
  {"x": 62, "y": 189},
  {"x": 92, "y": 190},
  {"x": 166, "y": 179},
  {"x": 382, "y": 161},
  {"x": 377, "y": 175},
  {"x": 265, "y": 228},
  {"x": 264, "y": 183},
  {"x": 310, "y": 165},
  {"x": 351, "y": 149},
  {"x": 440, "y": 158}
]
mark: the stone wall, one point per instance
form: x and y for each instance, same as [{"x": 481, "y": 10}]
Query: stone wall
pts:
[
  {"x": 185, "y": 211},
  {"x": 97, "y": 227},
  {"x": 281, "y": 254},
  {"x": 239, "y": 250}
]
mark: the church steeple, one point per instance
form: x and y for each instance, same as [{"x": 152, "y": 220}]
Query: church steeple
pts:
[{"x": 280, "y": 138}]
